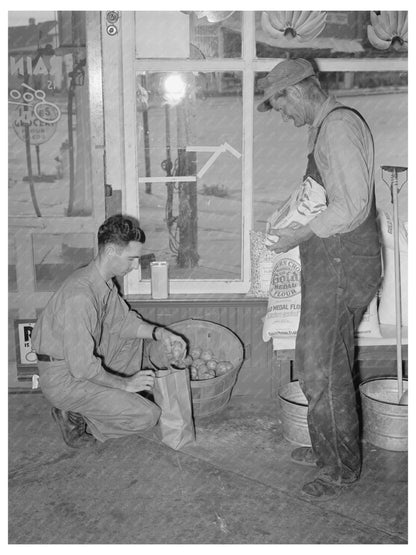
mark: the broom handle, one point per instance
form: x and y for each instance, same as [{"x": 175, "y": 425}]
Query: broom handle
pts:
[{"x": 394, "y": 194}]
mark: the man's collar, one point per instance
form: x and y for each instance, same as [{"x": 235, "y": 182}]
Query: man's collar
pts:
[
  {"x": 102, "y": 286},
  {"x": 326, "y": 107}
]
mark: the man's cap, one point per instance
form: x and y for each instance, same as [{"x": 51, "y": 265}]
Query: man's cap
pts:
[{"x": 285, "y": 74}]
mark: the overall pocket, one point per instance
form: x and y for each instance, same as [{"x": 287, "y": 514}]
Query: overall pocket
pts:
[{"x": 362, "y": 267}]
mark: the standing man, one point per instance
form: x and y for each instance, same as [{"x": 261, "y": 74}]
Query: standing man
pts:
[
  {"x": 341, "y": 268},
  {"x": 89, "y": 345}
]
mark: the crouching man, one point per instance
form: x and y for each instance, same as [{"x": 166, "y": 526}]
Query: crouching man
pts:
[{"x": 89, "y": 345}]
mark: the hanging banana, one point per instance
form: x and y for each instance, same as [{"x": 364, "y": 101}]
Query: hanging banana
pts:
[
  {"x": 269, "y": 28},
  {"x": 378, "y": 28},
  {"x": 302, "y": 25},
  {"x": 388, "y": 29}
]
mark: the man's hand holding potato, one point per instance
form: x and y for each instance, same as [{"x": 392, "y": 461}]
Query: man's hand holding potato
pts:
[{"x": 174, "y": 345}]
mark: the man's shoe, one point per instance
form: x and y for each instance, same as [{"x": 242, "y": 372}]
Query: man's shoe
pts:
[
  {"x": 78, "y": 421},
  {"x": 303, "y": 455},
  {"x": 321, "y": 489},
  {"x": 71, "y": 433}
]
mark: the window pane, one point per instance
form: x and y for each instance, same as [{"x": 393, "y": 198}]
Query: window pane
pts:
[
  {"x": 190, "y": 125},
  {"x": 58, "y": 255},
  {"x": 341, "y": 34},
  {"x": 190, "y": 35},
  {"x": 280, "y": 149},
  {"x": 49, "y": 138}
]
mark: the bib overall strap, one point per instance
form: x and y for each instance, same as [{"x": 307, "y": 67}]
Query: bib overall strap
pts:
[
  {"x": 343, "y": 108},
  {"x": 312, "y": 169}
]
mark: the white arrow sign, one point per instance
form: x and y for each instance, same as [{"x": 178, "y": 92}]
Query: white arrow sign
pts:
[{"x": 217, "y": 150}]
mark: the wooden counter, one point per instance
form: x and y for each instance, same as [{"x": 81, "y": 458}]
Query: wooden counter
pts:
[{"x": 375, "y": 356}]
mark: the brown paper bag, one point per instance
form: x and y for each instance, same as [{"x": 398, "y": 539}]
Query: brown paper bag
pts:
[{"x": 172, "y": 392}]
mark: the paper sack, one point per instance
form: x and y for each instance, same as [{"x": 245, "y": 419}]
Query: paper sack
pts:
[{"x": 172, "y": 392}]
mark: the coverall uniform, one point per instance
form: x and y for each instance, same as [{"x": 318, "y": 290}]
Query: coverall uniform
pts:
[
  {"x": 340, "y": 275},
  {"x": 87, "y": 327}
]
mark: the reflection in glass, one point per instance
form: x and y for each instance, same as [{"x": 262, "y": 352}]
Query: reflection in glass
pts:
[
  {"x": 332, "y": 34},
  {"x": 49, "y": 136},
  {"x": 56, "y": 256},
  {"x": 188, "y": 34},
  {"x": 189, "y": 128}
]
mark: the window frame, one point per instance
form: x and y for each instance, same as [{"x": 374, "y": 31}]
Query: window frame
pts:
[{"x": 248, "y": 65}]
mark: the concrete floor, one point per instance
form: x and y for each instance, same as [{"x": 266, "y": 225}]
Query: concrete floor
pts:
[{"x": 236, "y": 485}]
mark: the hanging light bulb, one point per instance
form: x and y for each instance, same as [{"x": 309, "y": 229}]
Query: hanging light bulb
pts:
[
  {"x": 214, "y": 17},
  {"x": 174, "y": 89}
]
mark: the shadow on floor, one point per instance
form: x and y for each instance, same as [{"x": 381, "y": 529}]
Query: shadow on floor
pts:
[{"x": 236, "y": 485}]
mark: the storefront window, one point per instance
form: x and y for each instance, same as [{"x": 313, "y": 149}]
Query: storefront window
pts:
[
  {"x": 56, "y": 256},
  {"x": 190, "y": 172},
  {"x": 55, "y": 168},
  {"x": 201, "y": 224},
  {"x": 188, "y": 34},
  {"x": 49, "y": 161},
  {"x": 332, "y": 34}
]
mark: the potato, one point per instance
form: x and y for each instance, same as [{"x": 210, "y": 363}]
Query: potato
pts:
[
  {"x": 176, "y": 355},
  {"x": 194, "y": 373},
  {"x": 206, "y": 355},
  {"x": 212, "y": 364},
  {"x": 196, "y": 352},
  {"x": 188, "y": 360},
  {"x": 222, "y": 368},
  {"x": 206, "y": 374},
  {"x": 198, "y": 362},
  {"x": 177, "y": 345},
  {"x": 177, "y": 350},
  {"x": 202, "y": 368},
  {"x": 229, "y": 365}
]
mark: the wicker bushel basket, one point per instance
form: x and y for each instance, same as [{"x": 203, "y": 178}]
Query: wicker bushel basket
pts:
[{"x": 212, "y": 395}]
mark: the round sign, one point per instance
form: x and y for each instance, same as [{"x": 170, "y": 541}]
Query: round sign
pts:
[
  {"x": 39, "y": 130},
  {"x": 47, "y": 112}
]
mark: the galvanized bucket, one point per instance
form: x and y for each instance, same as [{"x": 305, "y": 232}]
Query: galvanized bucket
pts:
[
  {"x": 293, "y": 413},
  {"x": 384, "y": 419}
]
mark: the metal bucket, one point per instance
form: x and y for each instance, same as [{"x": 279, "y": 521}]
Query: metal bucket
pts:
[
  {"x": 294, "y": 412},
  {"x": 384, "y": 419}
]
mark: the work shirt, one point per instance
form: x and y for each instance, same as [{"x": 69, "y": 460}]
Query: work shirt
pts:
[
  {"x": 84, "y": 321},
  {"x": 344, "y": 155}
]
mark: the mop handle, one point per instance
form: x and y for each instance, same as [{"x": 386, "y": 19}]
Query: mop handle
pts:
[{"x": 394, "y": 196}]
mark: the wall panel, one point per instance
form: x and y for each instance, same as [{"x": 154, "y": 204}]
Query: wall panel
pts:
[{"x": 242, "y": 316}]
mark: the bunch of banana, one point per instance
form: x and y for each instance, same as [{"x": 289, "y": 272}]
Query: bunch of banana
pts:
[
  {"x": 388, "y": 29},
  {"x": 302, "y": 25}
]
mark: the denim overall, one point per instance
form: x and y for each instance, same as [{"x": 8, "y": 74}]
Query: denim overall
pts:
[{"x": 339, "y": 277}]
